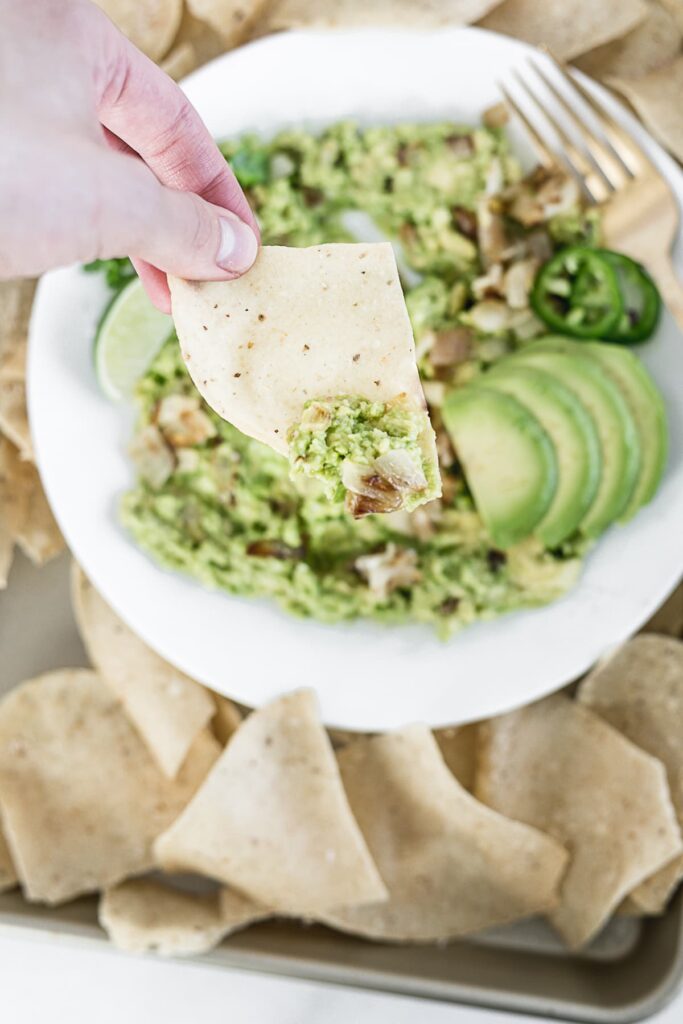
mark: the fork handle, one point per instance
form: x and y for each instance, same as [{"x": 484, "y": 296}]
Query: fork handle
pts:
[{"x": 671, "y": 289}]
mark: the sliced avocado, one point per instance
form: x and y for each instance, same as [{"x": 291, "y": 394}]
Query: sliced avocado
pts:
[
  {"x": 619, "y": 441},
  {"x": 574, "y": 436},
  {"x": 645, "y": 403},
  {"x": 508, "y": 459},
  {"x": 647, "y": 408}
]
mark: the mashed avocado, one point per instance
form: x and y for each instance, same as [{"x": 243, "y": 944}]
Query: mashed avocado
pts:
[
  {"x": 367, "y": 453},
  {"x": 222, "y": 508}
]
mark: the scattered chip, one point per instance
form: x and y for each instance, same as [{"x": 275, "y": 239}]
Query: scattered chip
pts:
[
  {"x": 675, "y": 8},
  {"x": 204, "y": 40},
  {"x": 557, "y": 766},
  {"x": 180, "y": 61},
  {"x": 12, "y": 504},
  {"x": 14, "y": 415},
  {"x": 226, "y": 720},
  {"x": 567, "y": 29},
  {"x": 25, "y": 517},
  {"x": 657, "y": 99},
  {"x": 452, "y": 866},
  {"x": 37, "y": 533},
  {"x": 669, "y": 618},
  {"x": 651, "y": 44},
  {"x": 8, "y": 874},
  {"x": 147, "y": 916},
  {"x": 341, "y": 737},
  {"x": 80, "y": 797},
  {"x": 167, "y": 708},
  {"x": 639, "y": 691},
  {"x": 151, "y": 25},
  {"x": 341, "y": 13},
  {"x": 233, "y": 20},
  {"x": 272, "y": 818},
  {"x": 458, "y": 747},
  {"x": 16, "y": 300}
]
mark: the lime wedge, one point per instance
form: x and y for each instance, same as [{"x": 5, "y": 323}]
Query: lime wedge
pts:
[{"x": 129, "y": 336}]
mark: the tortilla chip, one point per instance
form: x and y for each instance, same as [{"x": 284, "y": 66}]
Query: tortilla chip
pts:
[
  {"x": 151, "y": 25},
  {"x": 14, "y": 415},
  {"x": 567, "y": 29},
  {"x": 639, "y": 691},
  {"x": 272, "y": 818},
  {"x": 233, "y": 20},
  {"x": 205, "y": 41},
  {"x": 301, "y": 324},
  {"x": 37, "y": 533},
  {"x": 226, "y": 720},
  {"x": 669, "y": 618},
  {"x": 403, "y": 13},
  {"x": 342, "y": 737},
  {"x": 675, "y": 8},
  {"x": 81, "y": 798},
  {"x": 16, "y": 300},
  {"x": 652, "y": 43},
  {"x": 168, "y": 709},
  {"x": 458, "y": 747},
  {"x": 15, "y": 303},
  {"x": 146, "y": 916},
  {"x": 559, "y": 767},
  {"x": 12, "y": 505},
  {"x": 180, "y": 61},
  {"x": 8, "y": 874},
  {"x": 657, "y": 100},
  {"x": 452, "y": 866}
]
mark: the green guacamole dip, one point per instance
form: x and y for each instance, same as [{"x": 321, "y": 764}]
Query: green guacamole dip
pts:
[
  {"x": 222, "y": 508},
  {"x": 368, "y": 453}
]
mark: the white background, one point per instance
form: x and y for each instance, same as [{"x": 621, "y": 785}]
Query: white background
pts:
[{"x": 46, "y": 982}]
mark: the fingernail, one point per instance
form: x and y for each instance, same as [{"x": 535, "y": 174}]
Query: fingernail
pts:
[{"x": 238, "y": 245}]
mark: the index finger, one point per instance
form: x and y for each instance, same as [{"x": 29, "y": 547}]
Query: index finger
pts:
[{"x": 147, "y": 110}]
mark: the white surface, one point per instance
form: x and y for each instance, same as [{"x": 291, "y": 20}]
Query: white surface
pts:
[
  {"x": 45, "y": 983},
  {"x": 366, "y": 676}
]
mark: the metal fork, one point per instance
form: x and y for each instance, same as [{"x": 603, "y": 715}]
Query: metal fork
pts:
[{"x": 639, "y": 213}]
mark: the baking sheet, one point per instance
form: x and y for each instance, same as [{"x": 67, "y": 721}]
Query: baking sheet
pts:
[{"x": 630, "y": 972}]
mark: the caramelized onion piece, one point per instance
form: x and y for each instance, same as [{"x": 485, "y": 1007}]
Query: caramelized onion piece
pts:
[{"x": 401, "y": 470}]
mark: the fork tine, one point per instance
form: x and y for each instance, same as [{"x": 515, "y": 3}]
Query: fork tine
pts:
[
  {"x": 594, "y": 184},
  {"x": 612, "y": 168},
  {"x": 629, "y": 151},
  {"x": 544, "y": 153}
]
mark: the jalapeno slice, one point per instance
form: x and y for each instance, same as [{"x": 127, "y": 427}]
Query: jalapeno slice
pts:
[
  {"x": 642, "y": 304},
  {"x": 577, "y": 293}
]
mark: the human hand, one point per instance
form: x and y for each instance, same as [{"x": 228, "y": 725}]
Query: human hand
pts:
[{"x": 102, "y": 155}]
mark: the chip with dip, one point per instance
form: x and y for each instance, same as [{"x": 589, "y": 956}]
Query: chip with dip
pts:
[{"x": 312, "y": 353}]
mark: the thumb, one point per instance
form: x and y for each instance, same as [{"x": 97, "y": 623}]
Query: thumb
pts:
[{"x": 178, "y": 232}]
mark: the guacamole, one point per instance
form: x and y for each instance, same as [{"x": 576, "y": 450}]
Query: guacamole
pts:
[
  {"x": 371, "y": 454},
  {"x": 469, "y": 232}
]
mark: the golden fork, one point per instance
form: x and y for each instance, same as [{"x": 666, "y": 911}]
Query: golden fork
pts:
[{"x": 639, "y": 212}]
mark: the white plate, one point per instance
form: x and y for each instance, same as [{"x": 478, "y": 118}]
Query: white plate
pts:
[{"x": 366, "y": 676}]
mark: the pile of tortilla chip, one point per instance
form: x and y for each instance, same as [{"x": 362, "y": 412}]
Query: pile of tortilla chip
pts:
[{"x": 194, "y": 820}]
